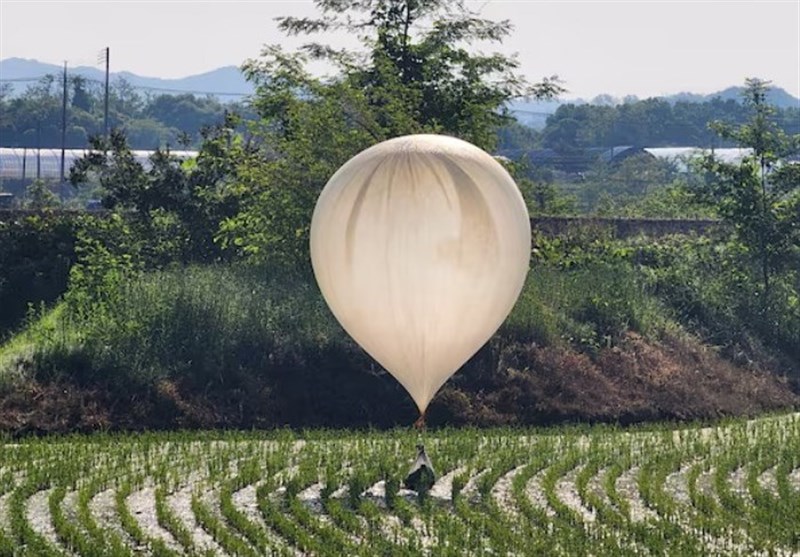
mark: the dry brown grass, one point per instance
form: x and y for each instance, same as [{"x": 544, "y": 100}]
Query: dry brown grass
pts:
[{"x": 638, "y": 380}]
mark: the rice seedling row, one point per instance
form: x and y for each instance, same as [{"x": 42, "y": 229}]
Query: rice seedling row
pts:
[{"x": 733, "y": 488}]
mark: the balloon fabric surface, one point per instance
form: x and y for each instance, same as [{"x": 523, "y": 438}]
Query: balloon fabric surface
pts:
[{"x": 420, "y": 246}]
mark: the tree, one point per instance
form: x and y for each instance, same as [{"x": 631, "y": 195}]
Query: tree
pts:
[
  {"x": 33, "y": 117},
  {"x": 124, "y": 102},
  {"x": 575, "y": 127},
  {"x": 39, "y": 196},
  {"x": 758, "y": 197},
  {"x": 516, "y": 138},
  {"x": 175, "y": 206},
  {"x": 146, "y": 133},
  {"x": 541, "y": 195},
  {"x": 650, "y": 123},
  {"x": 414, "y": 74},
  {"x": 185, "y": 112},
  {"x": 81, "y": 98}
]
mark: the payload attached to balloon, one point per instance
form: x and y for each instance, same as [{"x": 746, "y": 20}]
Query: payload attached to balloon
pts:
[{"x": 421, "y": 245}]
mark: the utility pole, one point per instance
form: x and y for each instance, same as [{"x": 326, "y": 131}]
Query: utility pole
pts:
[
  {"x": 63, "y": 130},
  {"x": 39, "y": 150},
  {"x": 105, "y": 109}
]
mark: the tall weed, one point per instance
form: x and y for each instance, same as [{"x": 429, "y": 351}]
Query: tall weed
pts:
[
  {"x": 201, "y": 323},
  {"x": 590, "y": 305}
]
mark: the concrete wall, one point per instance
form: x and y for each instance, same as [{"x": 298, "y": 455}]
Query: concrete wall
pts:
[{"x": 622, "y": 227}]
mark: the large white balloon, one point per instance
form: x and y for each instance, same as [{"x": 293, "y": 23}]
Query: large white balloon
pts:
[{"x": 420, "y": 246}]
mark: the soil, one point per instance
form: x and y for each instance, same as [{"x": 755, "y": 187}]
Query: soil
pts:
[{"x": 637, "y": 380}]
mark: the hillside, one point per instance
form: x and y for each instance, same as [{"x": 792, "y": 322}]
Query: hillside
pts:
[
  {"x": 227, "y": 82},
  {"x": 776, "y": 96},
  {"x": 209, "y": 347},
  {"x": 192, "y": 302},
  {"x": 229, "y": 79}
]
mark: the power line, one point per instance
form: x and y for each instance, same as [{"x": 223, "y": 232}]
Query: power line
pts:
[
  {"x": 168, "y": 90},
  {"x": 133, "y": 86},
  {"x": 523, "y": 111},
  {"x": 9, "y": 80}
]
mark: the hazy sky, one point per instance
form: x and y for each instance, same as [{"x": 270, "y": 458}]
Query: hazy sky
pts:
[{"x": 644, "y": 47}]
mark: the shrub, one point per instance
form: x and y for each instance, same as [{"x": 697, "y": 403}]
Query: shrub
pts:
[
  {"x": 712, "y": 288},
  {"x": 36, "y": 252},
  {"x": 198, "y": 322},
  {"x": 589, "y": 305}
]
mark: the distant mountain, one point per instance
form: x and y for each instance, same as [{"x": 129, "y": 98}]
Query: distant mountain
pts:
[
  {"x": 227, "y": 82},
  {"x": 776, "y": 96}
]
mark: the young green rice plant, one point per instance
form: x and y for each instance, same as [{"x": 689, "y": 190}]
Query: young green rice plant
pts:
[
  {"x": 774, "y": 518},
  {"x": 230, "y": 543},
  {"x": 568, "y": 462},
  {"x": 645, "y": 534},
  {"x": 103, "y": 540},
  {"x": 592, "y": 467},
  {"x": 459, "y": 482},
  {"x": 167, "y": 520},
  {"x": 484, "y": 517},
  {"x": 246, "y": 531},
  {"x": 493, "y": 511},
  {"x": 129, "y": 523},
  {"x": 601, "y": 469},
  {"x": 7, "y": 545},
  {"x": 732, "y": 506},
  {"x": 279, "y": 518},
  {"x": 23, "y": 534},
  {"x": 704, "y": 505},
  {"x": 333, "y": 540},
  {"x": 619, "y": 503},
  {"x": 533, "y": 514},
  {"x": 332, "y": 536},
  {"x": 68, "y": 532},
  {"x": 652, "y": 477}
]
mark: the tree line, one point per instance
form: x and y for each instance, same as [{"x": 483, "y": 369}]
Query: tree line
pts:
[
  {"x": 652, "y": 123},
  {"x": 149, "y": 121}
]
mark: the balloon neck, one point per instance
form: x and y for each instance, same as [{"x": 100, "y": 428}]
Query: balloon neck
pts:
[{"x": 419, "y": 425}]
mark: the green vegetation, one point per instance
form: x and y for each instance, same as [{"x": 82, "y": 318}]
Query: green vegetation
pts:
[
  {"x": 190, "y": 303},
  {"x": 760, "y": 197},
  {"x": 414, "y": 73},
  {"x": 239, "y": 346},
  {"x": 33, "y": 119},
  {"x": 201, "y": 323},
  {"x": 36, "y": 253},
  {"x": 651, "y": 123},
  {"x": 729, "y": 489}
]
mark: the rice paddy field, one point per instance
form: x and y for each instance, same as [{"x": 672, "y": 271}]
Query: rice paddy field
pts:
[{"x": 729, "y": 489}]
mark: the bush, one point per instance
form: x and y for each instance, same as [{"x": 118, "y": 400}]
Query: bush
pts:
[
  {"x": 223, "y": 345},
  {"x": 203, "y": 323},
  {"x": 588, "y": 305},
  {"x": 712, "y": 288},
  {"x": 36, "y": 252},
  {"x": 235, "y": 346}
]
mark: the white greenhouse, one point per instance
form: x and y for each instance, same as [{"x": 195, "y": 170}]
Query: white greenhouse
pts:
[{"x": 18, "y": 163}]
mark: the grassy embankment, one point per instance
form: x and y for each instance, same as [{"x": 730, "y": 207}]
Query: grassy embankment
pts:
[{"x": 604, "y": 330}]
